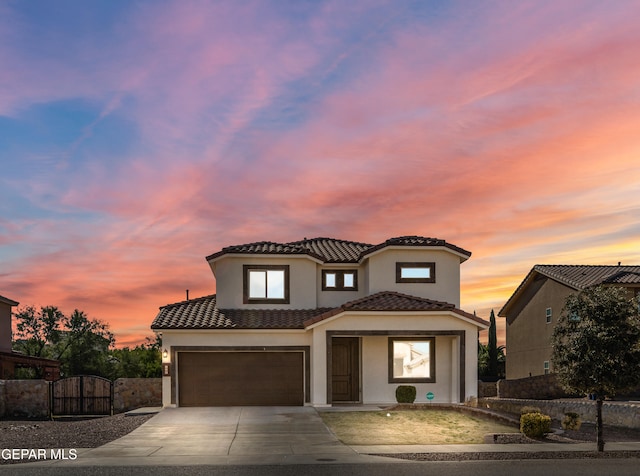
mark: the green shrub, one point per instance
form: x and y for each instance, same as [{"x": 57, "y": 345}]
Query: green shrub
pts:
[
  {"x": 535, "y": 425},
  {"x": 571, "y": 421},
  {"x": 528, "y": 409},
  {"x": 406, "y": 394}
]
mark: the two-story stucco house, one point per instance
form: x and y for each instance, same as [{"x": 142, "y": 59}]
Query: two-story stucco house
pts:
[
  {"x": 323, "y": 321},
  {"x": 533, "y": 310}
]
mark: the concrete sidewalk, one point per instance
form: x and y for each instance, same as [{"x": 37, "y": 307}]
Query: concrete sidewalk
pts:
[{"x": 267, "y": 435}]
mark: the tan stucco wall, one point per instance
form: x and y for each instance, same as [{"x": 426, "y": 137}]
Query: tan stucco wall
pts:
[
  {"x": 336, "y": 298},
  {"x": 374, "y": 366},
  {"x": 302, "y": 282},
  {"x": 375, "y": 386},
  {"x": 382, "y": 274},
  {"x": 529, "y": 336}
]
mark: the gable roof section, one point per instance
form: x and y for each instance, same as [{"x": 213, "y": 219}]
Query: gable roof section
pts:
[
  {"x": 331, "y": 250},
  {"x": 576, "y": 277},
  {"x": 391, "y": 301},
  {"x": 8, "y": 301},
  {"x": 417, "y": 241},
  {"x": 202, "y": 313}
]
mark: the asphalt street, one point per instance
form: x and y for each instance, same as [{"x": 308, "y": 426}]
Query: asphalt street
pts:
[{"x": 571, "y": 467}]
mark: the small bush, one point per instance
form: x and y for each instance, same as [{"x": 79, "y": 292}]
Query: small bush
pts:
[
  {"x": 535, "y": 425},
  {"x": 571, "y": 421},
  {"x": 528, "y": 409},
  {"x": 406, "y": 394}
]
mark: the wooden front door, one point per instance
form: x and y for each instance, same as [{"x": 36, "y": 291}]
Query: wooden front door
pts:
[{"x": 345, "y": 366}]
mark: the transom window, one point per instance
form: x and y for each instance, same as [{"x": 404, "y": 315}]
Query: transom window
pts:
[
  {"x": 412, "y": 360},
  {"x": 415, "y": 272},
  {"x": 266, "y": 284},
  {"x": 339, "y": 280}
]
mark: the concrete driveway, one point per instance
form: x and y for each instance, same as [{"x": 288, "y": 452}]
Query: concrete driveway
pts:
[{"x": 225, "y": 435}]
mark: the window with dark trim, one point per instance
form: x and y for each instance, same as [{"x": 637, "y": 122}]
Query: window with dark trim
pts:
[
  {"x": 416, "y": 272},
  {"x": 339, "y": 280},
  {"x": 548, "y": 315},
  {"x": 265, "y": 284},
  {"x": 412, "y": 360}
]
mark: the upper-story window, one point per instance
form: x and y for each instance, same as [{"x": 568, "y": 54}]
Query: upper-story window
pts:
[
  {"x": 549, "y": 315},
  {"x": 265, "y": 284},
  {"x": 415, "y": 272},
  {"x": 339, "y": 280}
]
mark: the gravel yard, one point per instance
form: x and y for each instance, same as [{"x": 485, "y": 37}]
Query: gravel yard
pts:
[{"x": 47, "y": 434}]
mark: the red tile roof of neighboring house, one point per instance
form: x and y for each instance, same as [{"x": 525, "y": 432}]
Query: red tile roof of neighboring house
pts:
[
  {"x": 331, "y": 250},
  {"x": 578, "y": 277},
  {"x": 202, "y": 313}
]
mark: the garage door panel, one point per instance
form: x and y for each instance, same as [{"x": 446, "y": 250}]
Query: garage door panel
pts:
[{"x": 240, "y": 378}]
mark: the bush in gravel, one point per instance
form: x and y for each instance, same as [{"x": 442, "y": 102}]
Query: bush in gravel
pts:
[
  {"x": 571, "y": 421},
  {"x": 406, "y": 394},
  {"x": 535, "y": 425}
]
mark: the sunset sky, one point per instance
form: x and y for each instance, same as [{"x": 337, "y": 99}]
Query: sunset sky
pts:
[{"x": 136, "y": 138}]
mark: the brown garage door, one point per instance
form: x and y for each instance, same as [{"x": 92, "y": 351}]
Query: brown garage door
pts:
[{"x": 240, "y": 378}]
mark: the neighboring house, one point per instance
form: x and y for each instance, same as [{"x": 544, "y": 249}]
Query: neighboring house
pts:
[
  {"x": 9, "y": 360},
  {"x": 533, "y": 310},
  {"x": 323, "y": 321}
]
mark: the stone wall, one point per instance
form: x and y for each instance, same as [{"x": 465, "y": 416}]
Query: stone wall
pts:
[
  {"x": 613, "y": 413},
  {"x": 30, "y": 398},
  {"x": 540, "y": 387},
  {"x": 130, "y": 393},
  {"x": 487, "y": 389},
  {"x": 24, "y": 398}
]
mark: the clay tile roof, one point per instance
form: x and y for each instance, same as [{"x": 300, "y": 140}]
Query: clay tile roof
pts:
[
  {"x": 577, "y": 277},
  {"x": 417, "y": 241},
  {"x": 264, "y": 247},
  {"x": 331, "y": 250},
  {"x": 334, "y": 251},
  {"x": 202, "y": 313},
  {"x": 394, "y": 301},
  {"x": 583, "y": 276}
]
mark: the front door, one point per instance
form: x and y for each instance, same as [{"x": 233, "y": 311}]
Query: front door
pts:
[{"x": 345, "y": 381}]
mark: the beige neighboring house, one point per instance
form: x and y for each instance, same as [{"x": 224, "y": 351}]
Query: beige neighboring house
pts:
[
  {"x": 534, "y": 308},
  {"x": 323, "y": 321}
]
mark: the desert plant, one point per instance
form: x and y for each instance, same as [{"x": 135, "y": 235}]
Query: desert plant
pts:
[
  {"x": 406, "y": 394},
  {"x": 571, "y": 421},
  {"x": 535, "y": 425}
]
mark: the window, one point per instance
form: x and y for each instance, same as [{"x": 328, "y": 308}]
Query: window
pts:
[
  {"x": 340, "y": 280},
  {"x": 548, "y": 314},
  {"x": 546, "y": 367},
  {"x": 415, "y": 272},
  {"x": 412, "y": 360},
  {"x": 266, "y": 284}
]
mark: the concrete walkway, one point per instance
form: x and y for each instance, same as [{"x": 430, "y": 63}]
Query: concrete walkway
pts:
[{"x": 265, "y": 435}]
